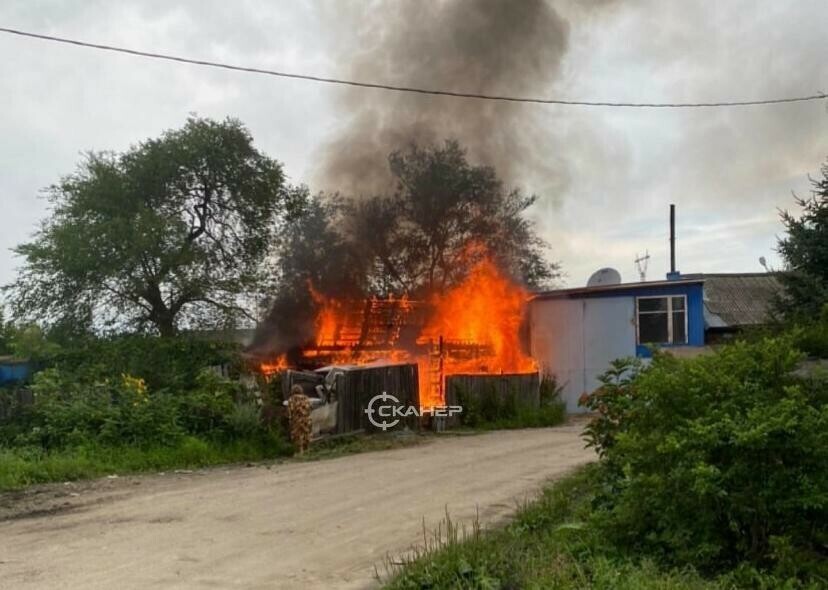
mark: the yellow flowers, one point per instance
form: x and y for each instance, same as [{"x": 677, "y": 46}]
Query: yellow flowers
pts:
[{"x": 137, "y": 387}]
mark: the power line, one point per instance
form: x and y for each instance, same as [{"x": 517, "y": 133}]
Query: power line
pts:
[{"x": 430, "y": 91}]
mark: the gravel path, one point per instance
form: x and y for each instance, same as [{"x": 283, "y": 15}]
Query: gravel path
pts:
[{"x": 322, "y": 524}]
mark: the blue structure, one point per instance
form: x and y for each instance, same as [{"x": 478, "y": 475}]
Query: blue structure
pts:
[
  {"x": 576, "y": 333},
  {"x": 14, "y": 370}
]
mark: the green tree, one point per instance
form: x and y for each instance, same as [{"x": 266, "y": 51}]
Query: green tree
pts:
[
  {"x": 417, "y": 239},
  {"x": 419, "y": 236},
  {"x": 805, "y": 252},
  {"x": 313, "y": 252},
  {"x": 173, "y": 232},
  {"x": 5, "y": 335}
]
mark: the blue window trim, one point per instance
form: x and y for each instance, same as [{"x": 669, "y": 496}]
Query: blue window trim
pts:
[{"x": 695, "y": 310}]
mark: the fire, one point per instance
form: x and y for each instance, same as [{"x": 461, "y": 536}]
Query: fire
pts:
[
  {"x": 486, "y": 309},
  {"x": 327, "y": 318},
  {"x": 473, "y": 327},
  {"x": 279, "y": 364},
  {"x": 478, "y": 323}
]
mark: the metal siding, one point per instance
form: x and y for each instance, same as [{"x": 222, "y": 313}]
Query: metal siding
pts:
[
  {"x": 610, "y": 328},
  {"x": 576, "y": 339},
  {"x": 556, "y": 339}
]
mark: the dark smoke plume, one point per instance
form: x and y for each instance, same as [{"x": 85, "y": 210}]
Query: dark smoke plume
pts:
[
  {"x": 482, "y": 46},
  {"x": 506, "y": 47}
]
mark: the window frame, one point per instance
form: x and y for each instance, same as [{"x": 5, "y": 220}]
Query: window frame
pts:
[{"x": 669, "y": 312}]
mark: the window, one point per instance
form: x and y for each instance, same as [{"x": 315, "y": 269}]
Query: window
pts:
[{"x": 662, "y": 320}]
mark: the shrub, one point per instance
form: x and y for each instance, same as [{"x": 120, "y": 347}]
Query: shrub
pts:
[
  {"x": 68, "y": 412},
  {"x": 716, "y": 460},
  {"x": 164, "y": 363},
  {"x": 205, "y": 408},
  {"x": 812, "y": 337},
  {"x": 244, "y": 419},
  {"x": 612, "y": 403},
  {"x": 550, "y": 390},
  {"x": 118, "y": 411}
]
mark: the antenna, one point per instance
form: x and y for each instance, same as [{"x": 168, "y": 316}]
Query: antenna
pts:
[{"x": 641, "y": 263}]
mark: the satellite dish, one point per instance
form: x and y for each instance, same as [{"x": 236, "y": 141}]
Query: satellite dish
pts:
[{"x": 604, "y": 276}]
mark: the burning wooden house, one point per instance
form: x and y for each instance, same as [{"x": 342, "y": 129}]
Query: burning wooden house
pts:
[{"x": 474, "y": 328}]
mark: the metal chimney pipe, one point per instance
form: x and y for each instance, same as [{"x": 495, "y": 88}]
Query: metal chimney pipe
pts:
[{"x": 672, "y": 238}]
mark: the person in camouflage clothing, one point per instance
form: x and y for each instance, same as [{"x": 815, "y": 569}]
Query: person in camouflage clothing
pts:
[{"x": 299, "y": 410}]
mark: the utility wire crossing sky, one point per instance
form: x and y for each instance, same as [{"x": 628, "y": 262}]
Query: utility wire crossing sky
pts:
[{"x": 436, "y": 92}]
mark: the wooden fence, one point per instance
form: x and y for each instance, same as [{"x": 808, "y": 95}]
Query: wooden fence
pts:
[
  {"x": 356, "y": 386},
  {"x": 525, "y": 387},
  {"x": 12, "y": 401}
]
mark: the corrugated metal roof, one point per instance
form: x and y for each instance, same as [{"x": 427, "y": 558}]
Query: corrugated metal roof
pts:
[{"x": 743, "y": 299}]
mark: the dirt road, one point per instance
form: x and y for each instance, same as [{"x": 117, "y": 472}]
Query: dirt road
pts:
[{"x": 303, "y": 525}]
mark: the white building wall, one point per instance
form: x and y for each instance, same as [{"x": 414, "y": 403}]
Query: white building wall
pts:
[{"x": 576, "y": 339}]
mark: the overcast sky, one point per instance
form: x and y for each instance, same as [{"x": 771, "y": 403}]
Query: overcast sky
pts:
[{"x": 615, "y": 171}]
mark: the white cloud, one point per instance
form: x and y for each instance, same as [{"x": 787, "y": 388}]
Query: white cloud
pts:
[{"x": 728, "y": 171}]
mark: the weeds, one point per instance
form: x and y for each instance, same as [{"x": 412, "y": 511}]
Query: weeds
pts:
[
  {"x": 26, "y": 466},
  {"x": 547, "y": 545}
]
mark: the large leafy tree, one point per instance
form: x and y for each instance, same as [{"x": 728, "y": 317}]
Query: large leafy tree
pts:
[
  {"x": 805, "y": 252},
  {"x": 171, "y": 233},
  {"x": 421, "y": 237},
  {"x": 311, "y": 254},
  {"x": 429, "y": 231}
]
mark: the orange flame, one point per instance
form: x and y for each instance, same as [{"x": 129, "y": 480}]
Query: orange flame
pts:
[
  {"x": 278, "y": 364},
  {"x": 474, "y": 327},
  {"x": 480, "y": 320}
]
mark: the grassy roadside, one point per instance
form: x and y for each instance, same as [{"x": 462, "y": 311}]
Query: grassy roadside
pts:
[
  {"x": 22, "y": 467},
  {"x": 548, "y": 545}
]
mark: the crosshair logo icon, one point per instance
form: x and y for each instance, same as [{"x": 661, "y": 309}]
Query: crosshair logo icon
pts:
[{"x": 384, "y": 410}]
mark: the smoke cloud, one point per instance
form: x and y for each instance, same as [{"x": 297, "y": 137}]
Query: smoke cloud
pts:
[{"x": 479, "y": 46}]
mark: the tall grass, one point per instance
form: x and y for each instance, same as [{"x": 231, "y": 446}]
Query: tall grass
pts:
[
  {"x": 548, "y": 545},
  {"x": 23, "y": 466}
]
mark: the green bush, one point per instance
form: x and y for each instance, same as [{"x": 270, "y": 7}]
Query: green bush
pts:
[
  {"x": 716, "y": 460},
  {"x": 205, "y": 408},
  {"x": 130, "y": 403},
  {"x": 612, "y": 403},
  {"x": 69, "y": 413},
  {"x": 23, "y": 466},
  {"x": 164, "y": 363},
  {"x": 812, "y": 337},
  {"x": 548, "y": 545},
  {"x": 244, "y": 419}
]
